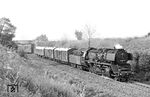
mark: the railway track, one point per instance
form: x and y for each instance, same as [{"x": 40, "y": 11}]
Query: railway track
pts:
[
  {"x": 141, "y": 84},
  {"x": 133, "y": 82}
]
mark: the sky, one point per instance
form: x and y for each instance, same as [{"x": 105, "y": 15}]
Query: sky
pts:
[{"x": 59, "y": 19}]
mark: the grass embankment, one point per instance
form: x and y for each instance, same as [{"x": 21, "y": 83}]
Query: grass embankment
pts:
[{"x": 31, "y": 81}]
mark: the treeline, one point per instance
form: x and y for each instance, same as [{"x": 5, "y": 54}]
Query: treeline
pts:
[{"x": 7, "y": 33}]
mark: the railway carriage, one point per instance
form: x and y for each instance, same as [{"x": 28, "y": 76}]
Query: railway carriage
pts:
[
  {"x": 62, "y": 54},
  {"x": 39, "y": 51},
  {"x": 75, "y": 58},
  {"x": 65, "y": 54},
  {"x": 57, "y": 54},
  {"x": 49, "y": 52},
  {"x": 27, "y": 48}
]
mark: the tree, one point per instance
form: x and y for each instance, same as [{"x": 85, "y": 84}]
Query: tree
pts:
[
  {"x": 144, "y": 62},
  {"x": 78, "y": 35},
  {"x": 148, "y": 34},
  {"x": 7, "y": 31},
  {"x": 89, "y": 32},
  {"x": 42, "y": 38}
]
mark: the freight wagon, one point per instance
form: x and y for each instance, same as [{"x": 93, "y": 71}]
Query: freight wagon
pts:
[
  {"x": 27, "y": 48},
  {"x": 39, "y": 51},
  {"x": 49, "y": 52}
]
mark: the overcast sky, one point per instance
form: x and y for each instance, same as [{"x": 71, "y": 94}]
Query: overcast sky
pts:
[{"x": 59, "y": 19}]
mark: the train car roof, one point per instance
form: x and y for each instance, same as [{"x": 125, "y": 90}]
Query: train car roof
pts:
[
  {"x": 50, "y": 48},
  {"x": 76, "y": 52},
  {"x": 62, "y": 49},
  {"x": 38, "y": 47}
]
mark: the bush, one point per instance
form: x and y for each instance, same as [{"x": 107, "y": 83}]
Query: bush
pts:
[
  {"x": 141, "y": 66},
  {"x": 135, "y": 62},
  {"x": 55, "y": 91},
  {"x": 22, "y": 54},
  {"x": 147, "y": 76},
  {"x": 144, "y": 62}
]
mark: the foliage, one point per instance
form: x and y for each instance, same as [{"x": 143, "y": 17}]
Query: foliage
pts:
[
  {"x": 144, "y": 62},
  {"x": 7, "y": 32},
  {"x": 12, "y": 44},
  {"x": 78, "y": 35},
  {"x": 141, "y": 66},
  {"x": 22, "y": 53},
  {"x": 42, "y": 38},
  {"x": 148, "y": 34},
  {"x": 89, "y": 31},
  {"x": 147, "y": 76},
  {"x": 55, "y": 91}
]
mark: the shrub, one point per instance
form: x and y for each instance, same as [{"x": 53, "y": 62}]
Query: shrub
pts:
[
  {"x": 55, "y": 91},
  {"x": 147, "y": 76},
  {"x": 141, "y": 66},
  {"x": 22, "y": 53},
  {"x": 144, "y": 62},
  {"x": 28, "y": 84}
]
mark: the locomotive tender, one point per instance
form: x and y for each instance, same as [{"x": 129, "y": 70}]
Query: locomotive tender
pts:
[{"x": 103, "y": 61}]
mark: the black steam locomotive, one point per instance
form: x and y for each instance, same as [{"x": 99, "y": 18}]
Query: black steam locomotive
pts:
[
  {"x": 103, "y": 61},
  {"x": 108, "y": 62}
]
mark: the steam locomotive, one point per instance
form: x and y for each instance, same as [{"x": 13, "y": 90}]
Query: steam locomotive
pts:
[
  {"x": 103, "y": 61},
  {"x": 108, "y": 62}
]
